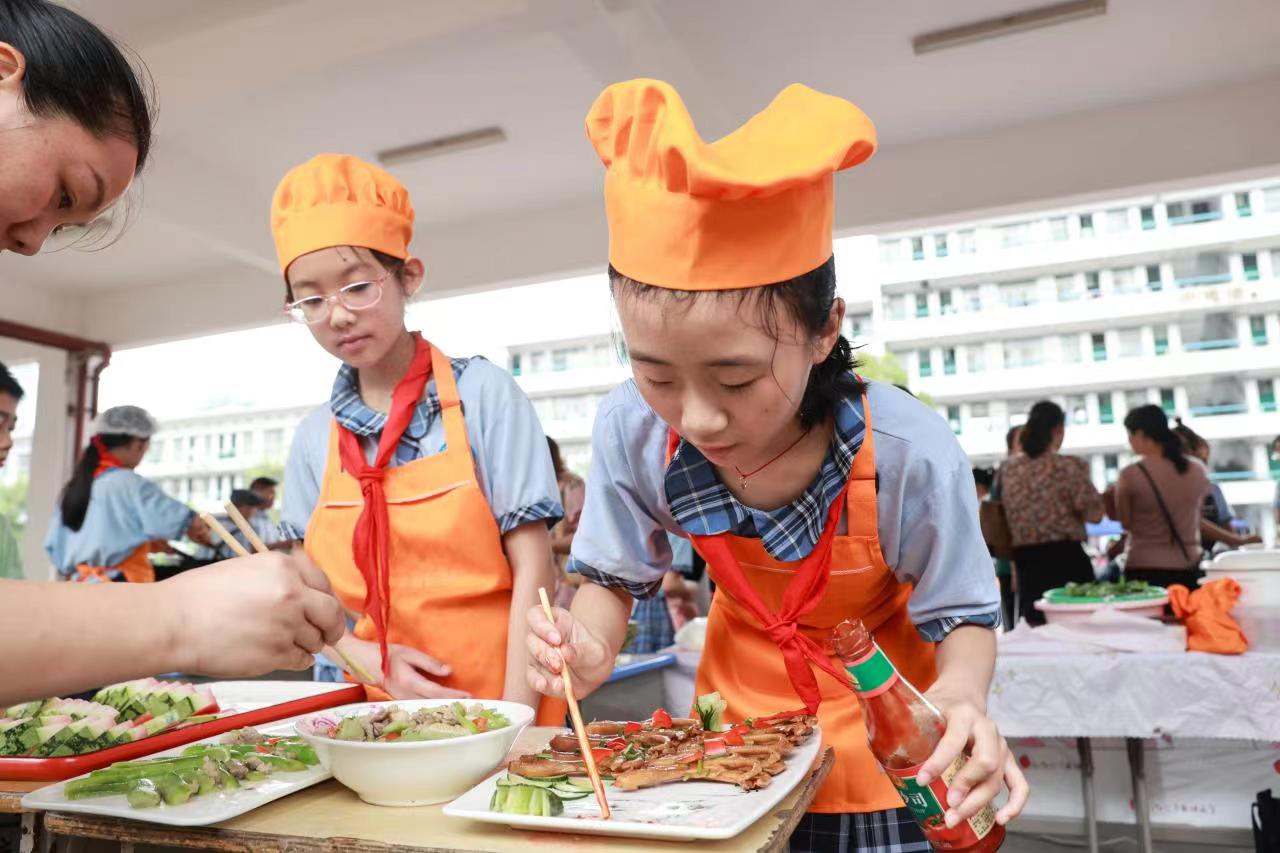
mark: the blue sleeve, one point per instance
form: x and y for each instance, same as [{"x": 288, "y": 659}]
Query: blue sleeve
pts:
[
  {"x": 308, "y": 456},
  {"x": 622, "y": 536},
  {"x": 160, "y": 516},
  {"x": 510, "y": 449}
]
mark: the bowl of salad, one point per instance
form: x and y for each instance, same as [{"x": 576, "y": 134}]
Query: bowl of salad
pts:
[
  {"x": 1079, "y": 601},
  {"x": 414, "y": 752}
]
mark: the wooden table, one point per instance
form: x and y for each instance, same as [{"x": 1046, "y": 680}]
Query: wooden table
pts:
[
  {"x": 329, "y": 817},
  {"x": 34, "y": 838}
]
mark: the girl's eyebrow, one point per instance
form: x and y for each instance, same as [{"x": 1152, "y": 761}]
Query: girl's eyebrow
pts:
[{"x": 731, "y": 361}]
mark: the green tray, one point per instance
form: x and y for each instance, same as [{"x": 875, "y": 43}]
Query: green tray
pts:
[{"x": 1059, "y": 596}]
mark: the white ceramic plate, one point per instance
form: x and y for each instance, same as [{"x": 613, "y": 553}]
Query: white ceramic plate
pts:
[
  {"x": 198, "y": 811},
  {"x": 684, "y": 811}
]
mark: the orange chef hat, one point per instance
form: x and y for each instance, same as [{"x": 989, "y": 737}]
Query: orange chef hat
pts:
[
  {"x": 339, "y": 200},
  {"x": 752, "y": 208}
]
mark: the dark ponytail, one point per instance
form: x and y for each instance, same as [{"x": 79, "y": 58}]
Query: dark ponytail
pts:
[
  {"x": 808, "y": 299},
  {"x": 1037, "y": 433},
  {"x": 75, "y": 494},
  {"x": 1191, "y": 440},
  {"x": 1151, "y": 421}
]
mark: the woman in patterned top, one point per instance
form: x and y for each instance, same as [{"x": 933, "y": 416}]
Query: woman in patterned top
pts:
[{"x": 1047, "y": 498}]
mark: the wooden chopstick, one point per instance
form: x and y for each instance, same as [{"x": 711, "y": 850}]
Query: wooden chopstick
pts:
[
  {"x": 233, "y": 512},
  {"x": 584, "y": 742},
  {"x": 234, "y": 544}
]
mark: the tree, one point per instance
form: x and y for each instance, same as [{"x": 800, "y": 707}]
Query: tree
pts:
[{"x": 13, "y": 503}]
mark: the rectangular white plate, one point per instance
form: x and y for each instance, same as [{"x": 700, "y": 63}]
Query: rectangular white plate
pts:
[
  {"x": 198, "y": 811},
  {"x": 683, "y": 811}
]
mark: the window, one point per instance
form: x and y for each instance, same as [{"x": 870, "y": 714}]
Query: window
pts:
[
  {"x": 922, "y": 305},
  {"x": 1258, "y": 330},
  {"x": 891, "y": 250},
  {"x": 1125, "y": 281},
  {"x": 1058, "y": 228},
  {"x": 1271, "y": 199},
  {"x": 953, "y": 418},
  {"x": 1117, "y": 220},
  {"x": 1153, "y": 277},
  {"x": 979, "y": 410},
  {"x": 1110, "y": 467},
  {"x": 944, "y": 303},
  {"x": 1148, "y": 215},
  {"x": 859, "y": 325},
  {"x": 559, "y": 359},
  {"x": 896, "y": 306},
  {"x": 1267, "y": 394},
  {"x": 1068, "y": 288},
  {"x": 967, "y": 242},
  {"x": 1023, "y": 352},
  {"x": 514, "y": 364},
  {"x": 949, "y": 361},
  {"x": 1249, "y": 261},
  {"x": 1105, "y": 415},
  {"x": 1243, "y": 208},
  {"x": 973, "y": 297},
  {"x": 1086, "y": 225},
  {"x": 1099, "y": 347},
  {"x": 940, "y": 245},
  {"x": 1134, "y": 399},
  {"x": 155, "y": 453},
  {"x": 537, "y": 361},
  {"x": 1092, "y": 286},
  {"x": 1018, "y": 294},
  {"x": 1129, "y": 343},
  {"x": 227, "y": 445},
  {"x": 917, "y": 248},
  {"x": 1077, "y": 409},
  {"x": 273, "y": 443},
  {"x": 1162, "y": 339},
  {"x": 1014, "y": 235},
  {"x": 1071, "y": 349},
  {"x": 976, "y": 356},
  {"x": 1167, "y": 402},
  {"x": 926, "y": 363},
  {"x": 1191, "y": 212}
]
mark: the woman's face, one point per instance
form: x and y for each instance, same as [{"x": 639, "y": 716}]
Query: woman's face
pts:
[
  {"x": 713, "y": 374},
  {"x": 53, "y": 172},
  {"x": 360, "y": 338}
]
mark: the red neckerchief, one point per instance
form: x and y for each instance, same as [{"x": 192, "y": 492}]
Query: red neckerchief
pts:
[
  {"x": 804, "y": 592},
  {"x": 106, "y": 459},
  {"x": 371, "y": 542}
]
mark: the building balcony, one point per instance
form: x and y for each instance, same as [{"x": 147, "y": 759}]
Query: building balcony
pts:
[
  {"x": 1215, "y": 409},
  {"x": 1231, "y": 476},
  {"x": 1221, "y": 343},
  {"x": 1195, "y": 218},
  {"x": 1202, "y": 280}
]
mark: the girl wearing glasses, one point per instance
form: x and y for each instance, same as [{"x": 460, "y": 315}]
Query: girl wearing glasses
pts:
[
  {"x": 423, "y": 488},
  {"x": 813, "y": 496}
]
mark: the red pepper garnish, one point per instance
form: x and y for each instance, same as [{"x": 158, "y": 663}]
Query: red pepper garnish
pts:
[
  {"x": 661, "y": 719},
  {"x": 741, "y": 728},
  {"x": 633, "y": 728},
  {"x": 392, "y": 736},
  {"x": 691, "y": 758},
  {"x": 617, "y": 744},
  {"x": 733, "y": 737},
  {"x": 262, "y": 749},
  {"x": 481, "y": 723},
  {"x": 600, "y": 754},
  {"x": 714, "y": 747}
]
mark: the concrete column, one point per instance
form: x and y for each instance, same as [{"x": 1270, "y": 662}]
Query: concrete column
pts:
[{"x": 51, "y": 459}]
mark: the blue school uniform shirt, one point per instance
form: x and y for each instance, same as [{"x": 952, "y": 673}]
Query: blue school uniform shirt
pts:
[
  {"x": 125, "y": 510},
  {"x": 513, "y": 464},
  {"x": 926, "y": 504}
]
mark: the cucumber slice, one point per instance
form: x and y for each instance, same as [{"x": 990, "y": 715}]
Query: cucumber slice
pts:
[
  {"x": 551, "y": 804},
  {"x": 582, "y": 783},
  {"x": 514, "y": 779},
  {"x": 568, "y": 794},
  {"x": 499, "y": 800},
  {"x": 518, "y": 799}
]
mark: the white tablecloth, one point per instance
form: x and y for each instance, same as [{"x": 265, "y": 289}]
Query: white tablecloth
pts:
[{"x": 1183, "y": 694}]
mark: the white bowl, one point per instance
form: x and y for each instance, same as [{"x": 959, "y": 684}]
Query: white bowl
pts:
[
  {"x": 415, "y": 773},
  {"x": 1079, "y": 611}
]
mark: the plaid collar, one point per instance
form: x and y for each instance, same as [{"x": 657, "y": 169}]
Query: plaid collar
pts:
[
  {"x": 350, "y": 411},
  {"x": 701, "y": 504}
]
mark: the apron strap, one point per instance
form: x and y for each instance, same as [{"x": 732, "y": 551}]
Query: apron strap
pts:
[{"x": 862, "y": 518}]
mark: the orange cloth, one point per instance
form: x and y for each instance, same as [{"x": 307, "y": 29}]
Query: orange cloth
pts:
[
  {"x": 449, "y": 581},
  {"x": 136, "y": 567},
  {"x": 106, "y": 459},
  {"x": 1206, "y": 613},
  {"x": 751, "y": 665},
  {"x": 339, "y": 200},
  {"x": 752, "y": 208}
]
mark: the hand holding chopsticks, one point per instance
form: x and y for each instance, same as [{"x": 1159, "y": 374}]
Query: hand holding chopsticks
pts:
[
  {"x": 584, "y": 742},
  {"x": 234, "y": 544}
]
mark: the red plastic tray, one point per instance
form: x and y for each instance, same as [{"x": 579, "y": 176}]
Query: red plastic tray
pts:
[{"x": 57, "y": 769}]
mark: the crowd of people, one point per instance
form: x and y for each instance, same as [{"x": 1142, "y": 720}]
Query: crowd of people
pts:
[{"x": 1172, "y": 513}]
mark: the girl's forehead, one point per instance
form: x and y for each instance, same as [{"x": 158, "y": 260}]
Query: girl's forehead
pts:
[{"x": 336, "y": 265}]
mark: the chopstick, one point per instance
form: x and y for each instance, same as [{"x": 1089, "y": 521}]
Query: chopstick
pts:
[
  {"x": 584, "y": 742},
  {"x": 234, "y": 544}
]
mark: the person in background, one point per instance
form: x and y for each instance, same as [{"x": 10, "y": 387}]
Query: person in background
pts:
[
  {"x": 1047, "y": 498},
  {"x": 250, "y": 506},
  {"x": 1275, "y": 454},
  {"x": 72, "y": 110},
  {"x": 109, "y": 519},
  {"x": 1218, "y": 515},
  {"x": 573, "y": 490},
  {"x": 1005, "y": 571},
  {"x": 261, "y": 522},
  {"x": 982, "y": 481},
  {"x": 10, "y": 395}
]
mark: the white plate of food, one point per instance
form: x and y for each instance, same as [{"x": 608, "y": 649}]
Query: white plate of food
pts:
[
  {"x": 661, "y": 795},
  {"x": 255, "y": 779}
]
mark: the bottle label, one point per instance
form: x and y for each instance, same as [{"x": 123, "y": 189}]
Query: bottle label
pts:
[
  {"x": 872, "y": 674},
  {"x": 928, "y": 804}
]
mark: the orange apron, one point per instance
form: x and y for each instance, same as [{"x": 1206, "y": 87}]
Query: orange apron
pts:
[
  {"x": 135, "y": 567},
  {"x": 450, "y": 580},
  {"x": 746, "y": 667}
]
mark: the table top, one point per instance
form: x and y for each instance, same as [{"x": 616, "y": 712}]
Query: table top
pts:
[
  {"x": 1181, "y": 694},
  {"x": 329, "y": 817},
  {"x": 11, "y": 794}
]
